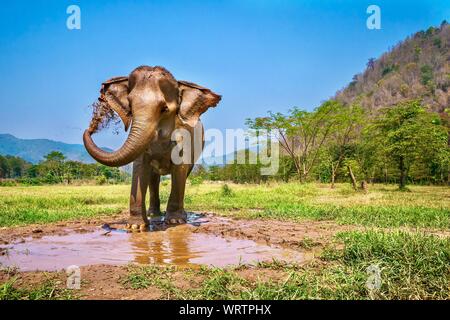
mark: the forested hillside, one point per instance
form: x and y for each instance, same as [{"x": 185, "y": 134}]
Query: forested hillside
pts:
[{"x": 416, "y": 68}]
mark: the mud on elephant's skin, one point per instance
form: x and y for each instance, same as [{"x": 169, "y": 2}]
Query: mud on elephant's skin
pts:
[{"x": 153, "y": 104}]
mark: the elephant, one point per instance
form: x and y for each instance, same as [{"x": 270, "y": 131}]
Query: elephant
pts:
[{"x": 153, "y": 104}]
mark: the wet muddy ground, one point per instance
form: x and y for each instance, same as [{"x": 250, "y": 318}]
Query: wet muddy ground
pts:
[
  {"x": 104, "y": 251},
  {"x": 179, "y": 246}
]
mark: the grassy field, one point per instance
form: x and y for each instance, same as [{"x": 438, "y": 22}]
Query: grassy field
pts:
[
  {"x": 382, "y": 206},
  {"x": 412, "y": 267},
  {"x": 414, "y": 263}
]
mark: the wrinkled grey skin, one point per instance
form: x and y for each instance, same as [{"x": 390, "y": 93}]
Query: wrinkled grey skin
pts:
[{"x": 155, "y": 105}]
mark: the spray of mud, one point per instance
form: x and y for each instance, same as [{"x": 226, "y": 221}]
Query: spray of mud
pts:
[{"x": 103, "y": 116}]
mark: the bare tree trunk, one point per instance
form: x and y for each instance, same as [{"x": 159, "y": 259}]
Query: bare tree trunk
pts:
[
  {"x": 298, "y": 170},
  {"x": 402, "y": 174},
  {"x": 352, "y": 176},
  {"x": 305, "y": 173},
  {"x": 333, "y": 175}
]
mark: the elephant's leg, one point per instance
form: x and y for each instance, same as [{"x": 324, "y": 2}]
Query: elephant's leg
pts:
[
  {"x": 175, "y": 207},
  {"x": 155, "y": 204},
  {"x": 138, "y": 216}
]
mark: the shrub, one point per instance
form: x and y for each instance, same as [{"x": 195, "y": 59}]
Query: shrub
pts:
[
  {"x": 31, "y": 181},
  {"x": 101, "y": 180},
  {"x": 226, "y": 191},
  {"x": 195, "y": 181},
  {"x": 426, "y": 74},
  {"x": 389, "y": 69},
  {"x": 7, "y": 183}
]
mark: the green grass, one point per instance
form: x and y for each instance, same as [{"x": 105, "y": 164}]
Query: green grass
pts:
[
  {"x": 412, "y": 266},
  {"x": 44, "y": 204},
  {"x": 48, "y": 290},
  {"x": 383, "y": 206},
  {"x": 141, "y": 277}
]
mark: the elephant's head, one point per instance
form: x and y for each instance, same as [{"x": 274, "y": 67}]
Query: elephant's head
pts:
[{"x": 148, "y": 97}]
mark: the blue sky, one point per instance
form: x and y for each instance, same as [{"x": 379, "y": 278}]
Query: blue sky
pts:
[{"x": 260, "y": 55}]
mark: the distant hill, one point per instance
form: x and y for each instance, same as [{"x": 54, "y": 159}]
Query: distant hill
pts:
[
  {"x": 215, "y": 160},
  {"x": 34, "y": 150},
  {"x": 416, "y": 68}
]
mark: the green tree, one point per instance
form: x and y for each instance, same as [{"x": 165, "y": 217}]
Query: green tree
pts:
[
  {"x": 53, "y": 167},
  {"x": 300, "y": 133},
  {"x": 4, "y": 167},
  {"x": 346, "y": 131},
  {"x": 13, "y": 167},
  {"x": 407, "y": 134}
]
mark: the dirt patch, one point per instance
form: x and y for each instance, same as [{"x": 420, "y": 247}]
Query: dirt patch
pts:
[
  {"x": 36, "y": 231},
  {"x": 295, "y": 235},
  {"x": 106, "y": 282},
  {"x": 98, "y": 283}
]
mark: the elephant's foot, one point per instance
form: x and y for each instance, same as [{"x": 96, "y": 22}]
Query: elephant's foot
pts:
[
  {"x": 137, "y": 223},
  {"x": 154, "y": 212},
  {"x": 176, "y": 217}
]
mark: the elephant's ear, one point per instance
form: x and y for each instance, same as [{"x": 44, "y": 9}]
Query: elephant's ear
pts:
[
  {"x": 115, "y": 93},
  {"x": 195, "y": 100}
]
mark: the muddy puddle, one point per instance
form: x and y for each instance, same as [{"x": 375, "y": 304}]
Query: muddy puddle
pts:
[{"x": 177, "y": 245}]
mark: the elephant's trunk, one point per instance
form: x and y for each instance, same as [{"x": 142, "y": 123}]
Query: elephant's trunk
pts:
[{"x": 142, "y": 131}]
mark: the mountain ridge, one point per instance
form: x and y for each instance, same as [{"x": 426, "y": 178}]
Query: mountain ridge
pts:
[
  {"x": 417, "y": 67},
  {"x": 34, "y": 150}
]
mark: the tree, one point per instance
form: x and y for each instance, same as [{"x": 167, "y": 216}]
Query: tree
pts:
[
  {"x": 346, "y": 129},
  {"x": 12, "y": 167},
  {"x": 4, "y": 168},
  {"x": 371, "y": 63},
  {"x": 53, "y": 167},
  {"x": 301, "y": 134},
  {"x": 407, "y": 135}
]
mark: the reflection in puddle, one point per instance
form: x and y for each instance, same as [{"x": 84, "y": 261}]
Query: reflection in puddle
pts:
[{"x": 179, "y": 246}]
